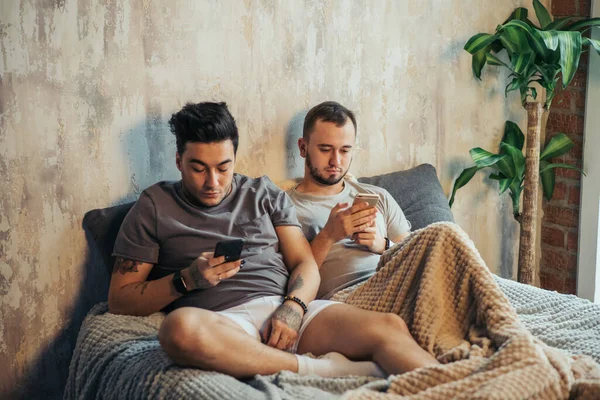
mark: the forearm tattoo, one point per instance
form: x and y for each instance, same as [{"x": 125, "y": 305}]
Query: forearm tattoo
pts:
[
  {"x": 124, "y": 266},
  {"x": 200, "y": 281},
  {"x": 289, "y": 316},
  {"x": 296, "y": 284}
]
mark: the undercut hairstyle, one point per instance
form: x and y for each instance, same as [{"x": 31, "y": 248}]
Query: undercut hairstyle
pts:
[
  {"x": 328, "y": 111},
  {"x": 205, "y": 123}
]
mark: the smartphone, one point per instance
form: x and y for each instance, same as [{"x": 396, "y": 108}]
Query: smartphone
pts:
[
  {"x": 231, "y": 249},
  {"x": 370, "y": 198}
]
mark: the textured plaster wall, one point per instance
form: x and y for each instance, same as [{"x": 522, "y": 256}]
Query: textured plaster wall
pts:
[{"x": 86, "y": 88}]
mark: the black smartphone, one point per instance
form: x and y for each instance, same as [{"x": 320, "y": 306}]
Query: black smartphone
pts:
[{"x": 231, "y": 249}]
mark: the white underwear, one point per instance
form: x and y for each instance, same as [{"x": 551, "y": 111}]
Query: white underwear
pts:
[{"x": 254, "y": 315}]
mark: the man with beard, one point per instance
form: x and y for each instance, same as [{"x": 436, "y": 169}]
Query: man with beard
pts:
[{"x": 346, "y": 239}]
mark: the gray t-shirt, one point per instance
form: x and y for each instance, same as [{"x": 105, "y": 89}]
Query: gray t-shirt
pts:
[
  {"x": 347, "y": 263},
  {"x": 163, "y": 228}
]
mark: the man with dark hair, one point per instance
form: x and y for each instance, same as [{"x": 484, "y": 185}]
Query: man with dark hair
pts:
[
  {"x": 236, "y": 317},
  {"x": 346, "y": 239}
]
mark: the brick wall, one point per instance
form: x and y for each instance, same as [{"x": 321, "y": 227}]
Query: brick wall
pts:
[{"x": 558, "y": 268}]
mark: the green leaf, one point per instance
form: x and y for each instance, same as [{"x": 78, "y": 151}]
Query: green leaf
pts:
[
  {"x": 550, "y": 39},
  {"x": 506, "y": 167},
  {"x": 530, "y": 34},
  {"x": 569, "y": 44},
  {"x": 478, "y": 62},
  {"x": 496, "y": 177},
  {"x": 505, "y": 184},
  {"x": 586, "y": 23},
  {"x": 513, "y": 135},
  {"x": 464, "y": 178},
  {"x": 548, "y": 166},
  {"x": 513, "y": 38},
  {"x": 548, "y": 177},
  {"x": 557, "y": 146},
  {"x": 518, "y": 13},
  {"x": 523, "y": 90},
  {"x": 483, "y": 158},
  {"x": 479, "y": 42},
  {"x": 570, "y": 51},
  {"x": 592, "y": 43},
  {"x": 546, "y": 71},
  {"x": 542, "y": 14},
  {"x": 513, "y": 85},
  {"x": 521, "y": 61},
  {"x": 517, "y": 158},
  {"x": 548, "y": 180},
  {"x": 558, "y": 23},
  {"x": 515, "y": 195},
  {"x": 502, "y": 180},
  {"x": 493, "y": 60},
  {"x": 547, "y": 79}
]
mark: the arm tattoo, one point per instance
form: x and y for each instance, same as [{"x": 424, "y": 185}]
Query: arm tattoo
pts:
[
  {"x": 296, "y": 284},
  {"x": 124, "y": 266},
  {"x": 288, "y": 316},
  {"x": 144, "y": 285},
  {"x": 199, "y": 281}
]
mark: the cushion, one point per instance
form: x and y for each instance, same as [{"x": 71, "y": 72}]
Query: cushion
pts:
[
  {"x": 104, "y": 224},
  {"x": 419, "y": 193}
]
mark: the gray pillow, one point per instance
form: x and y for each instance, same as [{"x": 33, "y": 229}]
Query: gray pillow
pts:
[
  {"x": 418, "y": 192},
  {"x": 104, "y": 224}
]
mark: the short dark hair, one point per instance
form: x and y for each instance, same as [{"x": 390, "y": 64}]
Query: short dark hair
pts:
[
  {"x": 203, "y": 122},
  {"x": 328, "y": 111}
]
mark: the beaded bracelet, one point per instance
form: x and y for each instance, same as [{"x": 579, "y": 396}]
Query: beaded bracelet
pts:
[{"x": 297, "y": 300}]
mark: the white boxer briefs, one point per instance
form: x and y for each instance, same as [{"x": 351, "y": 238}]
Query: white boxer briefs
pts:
[{"x": 254, "y": 315}]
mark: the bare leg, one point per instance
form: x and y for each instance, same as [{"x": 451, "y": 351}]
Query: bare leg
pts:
[
  {"x": 365, "y": 335},
  {"x": 204, "y": 339}
]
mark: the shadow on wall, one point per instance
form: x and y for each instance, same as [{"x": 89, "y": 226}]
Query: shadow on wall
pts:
[
  {"x": 504, "y": 215},
  {"x": 47, "y": 376},
  {"x": 295, "y": 163},
  {"x": 149, "y": 150}
]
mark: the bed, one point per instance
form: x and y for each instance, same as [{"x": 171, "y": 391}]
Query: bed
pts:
[{"x": 120, "y": 357}]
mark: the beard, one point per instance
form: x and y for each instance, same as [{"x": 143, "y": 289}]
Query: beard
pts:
[{"x": 320, "y": 178}]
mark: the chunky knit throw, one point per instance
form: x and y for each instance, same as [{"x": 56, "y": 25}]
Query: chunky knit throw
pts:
[{"x": 439, "y": 284}]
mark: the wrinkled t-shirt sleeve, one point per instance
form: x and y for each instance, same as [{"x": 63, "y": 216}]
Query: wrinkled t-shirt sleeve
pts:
[
  {"x": 137, "y": 238},
  {"x": 283, "y": 211},
  {"x": 396, "y": 221}
]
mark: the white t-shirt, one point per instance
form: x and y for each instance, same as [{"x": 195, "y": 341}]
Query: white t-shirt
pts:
[{"x": 347, "y": 263}]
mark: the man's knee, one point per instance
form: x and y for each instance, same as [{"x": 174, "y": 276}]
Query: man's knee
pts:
[
  {"x": 389, "y": 326},
  {"x": 182, "y": 334},
  {"x": 394, "y": 322}
]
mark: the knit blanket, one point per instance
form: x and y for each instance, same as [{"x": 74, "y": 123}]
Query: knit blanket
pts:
[
  {"x": 438, "y": 283},
  {"x": 455, "y": 308}
]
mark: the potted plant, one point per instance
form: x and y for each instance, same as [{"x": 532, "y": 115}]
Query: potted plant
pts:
[{"x": 533, "y": 54}]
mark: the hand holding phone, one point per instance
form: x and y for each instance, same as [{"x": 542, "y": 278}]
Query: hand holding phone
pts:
[
  {"x": 231, "y": 249},
  {"x": 205, "y": 272}
]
